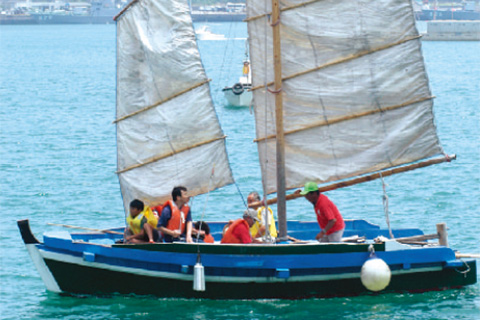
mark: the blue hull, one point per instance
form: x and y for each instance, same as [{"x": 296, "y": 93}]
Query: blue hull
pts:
[{"x": 78, "y": 263}]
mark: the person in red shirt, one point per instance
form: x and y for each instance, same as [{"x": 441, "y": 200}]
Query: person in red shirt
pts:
[
  {"x": 238, "y": 231},
  {"x": 329, "y": 218}
]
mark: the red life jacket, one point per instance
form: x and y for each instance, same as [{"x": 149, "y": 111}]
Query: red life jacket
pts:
[
  {"x": 176, "y": 222},
  {"x": 229, "y": 237}
]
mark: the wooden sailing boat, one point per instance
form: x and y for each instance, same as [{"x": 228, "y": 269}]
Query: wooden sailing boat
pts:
[{"x": 356, "y": 97}]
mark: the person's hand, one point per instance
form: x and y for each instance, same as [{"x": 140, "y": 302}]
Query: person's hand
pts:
[
  {"x": 189, "y": 239},
  {"x": 297, "y": 191},
  {"x": 320, "y": 235},
  {"x": 201, "y": 233},
  {"x": 175, "y": 233}
]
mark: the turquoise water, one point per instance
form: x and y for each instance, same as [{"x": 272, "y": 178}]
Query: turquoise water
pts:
[{"x": 58, "y": 161}]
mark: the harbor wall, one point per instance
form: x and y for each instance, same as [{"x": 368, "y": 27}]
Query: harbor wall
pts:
[{"x": 452, "y": 31}]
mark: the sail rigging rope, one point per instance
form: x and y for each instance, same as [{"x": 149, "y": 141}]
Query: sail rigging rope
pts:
[
  {"x": 267, "y": 236},
  {"x": 205, "y": 206},
  {"x": 385, "y": 206}
]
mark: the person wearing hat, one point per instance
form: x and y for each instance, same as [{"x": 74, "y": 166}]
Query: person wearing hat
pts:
[
  {"x": 239, "y": 230},
  {"x": 329, "y": 218}
]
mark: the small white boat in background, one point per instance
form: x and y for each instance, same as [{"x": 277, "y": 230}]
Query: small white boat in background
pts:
[
  {"x": 204, "y": 33},
  {"x": 239, "y": 95}
]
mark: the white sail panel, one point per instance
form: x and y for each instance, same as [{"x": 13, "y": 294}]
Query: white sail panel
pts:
[
  {"x": 355, "y": 93},
  {"x": 168, "y": 133}
]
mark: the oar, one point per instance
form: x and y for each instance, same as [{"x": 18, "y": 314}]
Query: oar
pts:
[
  {"x": 467, "y": 255},
  {"x": 83, "y": 228}
]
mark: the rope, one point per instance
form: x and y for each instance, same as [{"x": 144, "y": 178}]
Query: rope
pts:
[
  {"x": 241, "y": 195},
  {"x": 385, "y": 206},
  {"x": 267, "y": 235},
  {"x": 466, "y": 271},
  {"x": 205, "y": 207},
  {"x": 278, "y": 20},
  {"x": 274, "y": 91}
]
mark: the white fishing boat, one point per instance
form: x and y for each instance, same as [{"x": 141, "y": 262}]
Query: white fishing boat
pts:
[
  {"x": 340, "y": 99},
  {"x": 239, "y": 95}
]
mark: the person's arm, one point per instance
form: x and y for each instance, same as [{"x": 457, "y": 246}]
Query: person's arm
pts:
[
  {"x": 260, "y": 232},
  {"x": 243, "y": 233},
  {"x": 164, "y": 218},
  {"x": 189, "y": 232},
  {"x": 329, "y": 225}
]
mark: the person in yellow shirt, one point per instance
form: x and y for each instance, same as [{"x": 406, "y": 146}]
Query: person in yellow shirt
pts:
[
  {"x": 259, "y": 227},
  {"x": 141, "y": 224}
]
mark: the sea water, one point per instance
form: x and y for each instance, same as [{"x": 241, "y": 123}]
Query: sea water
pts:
[{"x": 58, "y": 162}]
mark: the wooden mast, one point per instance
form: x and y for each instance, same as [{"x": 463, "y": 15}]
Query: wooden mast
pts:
[{"x": 280, "y": 141}]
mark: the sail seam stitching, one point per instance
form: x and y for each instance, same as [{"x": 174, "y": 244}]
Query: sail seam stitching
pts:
[
  {"x": 157, "y": 158},
  {"x": 341, "y": 60},
  {"x": 350, "y": 117},
  {"x": 161, "y": 101}
]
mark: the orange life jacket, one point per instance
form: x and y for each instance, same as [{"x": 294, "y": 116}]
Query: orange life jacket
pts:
[
  {"x": 208, "y": 239},
  {"x": 178, "y": 218},
  {"x": 228, "y": 237}
]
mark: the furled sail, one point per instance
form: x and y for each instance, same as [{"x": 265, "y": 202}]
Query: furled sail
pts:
[
  {"x": 168, "y": 133},
  {"x": 355, "y": 92}
]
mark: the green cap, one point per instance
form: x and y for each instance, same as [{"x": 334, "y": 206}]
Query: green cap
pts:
[{"x": 309, "y": 187}]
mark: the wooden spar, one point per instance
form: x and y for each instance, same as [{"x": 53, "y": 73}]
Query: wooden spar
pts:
[
  {"x": 366, "y": 178},
  {"x": 280, "y": 141},
  {"x": 467, "y": 255},
  {"x": 124, "y": 9},
  {"x": 442, "y": 234},
  {"x": 83, "y": 228}
]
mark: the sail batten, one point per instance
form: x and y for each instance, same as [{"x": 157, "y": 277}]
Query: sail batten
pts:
[
  {"x": 349, "y": 117},
  {"x": 163, "y": 156},
  {"x": 356, "y": 95},
  {"x": 168, "y": 133},
  {"x": 160, "y": 102},
  {"x": 340, "y": 60}
]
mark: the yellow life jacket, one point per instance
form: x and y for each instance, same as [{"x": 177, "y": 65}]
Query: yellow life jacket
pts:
[
  {"x": 256, "y": 226},
  {"x": 246, "y": 69},
  {"x": 136, "y": 224}
]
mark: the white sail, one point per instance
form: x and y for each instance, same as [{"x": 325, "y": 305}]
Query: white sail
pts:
[
  {"x": 168, "y": 133},
  {"x": 355, "y": 93}
]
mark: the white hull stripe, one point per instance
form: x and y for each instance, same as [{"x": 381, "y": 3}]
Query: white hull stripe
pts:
[
  {"x": 42, "y": 268},
  {"x": 227, "y": 279}
]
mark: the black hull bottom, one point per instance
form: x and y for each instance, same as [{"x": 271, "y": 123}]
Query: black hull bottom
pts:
[{"x": 78, "y": 279}]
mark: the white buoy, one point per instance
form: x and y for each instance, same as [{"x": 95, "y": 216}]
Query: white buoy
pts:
[
  {"x": 375, "y": 274},
  {"x": 198, "y": 277}
]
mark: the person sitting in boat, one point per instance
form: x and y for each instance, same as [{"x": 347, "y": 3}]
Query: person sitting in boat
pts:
[
  {"x": 202, "y": 230},
  {"x": 141, "y": 224},
  {"x": 238, "y": 231},
  {"x": 259, "y": 227},
  {"x": 329, "y": 218},
  {"x": 176, "y": 218}
]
